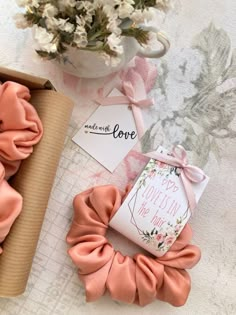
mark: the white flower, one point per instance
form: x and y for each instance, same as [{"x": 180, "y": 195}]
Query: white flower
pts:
[
  {"x": 69, "y": 27},
  {"x": 51, "y": 23},
  {"x": 65, "y": 26},
  {"x": 66, "y": 3},
  {"x": 164, "y": 5},
  {"x": 61, "y": 24},
  {"x": 125, "y": 8},
  {"x": 45, "y": 40},
  {"x": 112, "y": 25},
  {"x": 80, "y": 41},
  {"x": 23, "y": 3},
  {"x": 80, "y": 20},
  {"x": 34, "y": 3},
  {"x": 81, "y": 30},
  {"x": 88, "y": 7},
  {"x": 21, "y": 21},
  {"x": 80, "y": 36},
  {"x": 70, "y": 3},
  {"x": 109, "y": 10},
  {"x": 49, "y": 10},
  {"x": 141, "y": 16},
  {"x": 114, "y": 43},
  {"x": 100, "y": 3}
]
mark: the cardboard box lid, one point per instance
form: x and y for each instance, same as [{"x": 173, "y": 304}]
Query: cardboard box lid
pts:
[{"x": 32, "y": 82}]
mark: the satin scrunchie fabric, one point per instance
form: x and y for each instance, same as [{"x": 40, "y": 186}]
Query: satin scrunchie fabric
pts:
[
  {"x": 20, "y": 126},
  {"x": 20, "y": 129},
  {"x": 139, "y": 279}
]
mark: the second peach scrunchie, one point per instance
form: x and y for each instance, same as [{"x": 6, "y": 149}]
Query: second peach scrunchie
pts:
[
  {"x": 20, "y": 129},
  {"x": 139, "y": 279}
]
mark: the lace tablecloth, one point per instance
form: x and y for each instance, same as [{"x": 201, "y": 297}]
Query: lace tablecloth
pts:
[{"x": 195, "y": 106}]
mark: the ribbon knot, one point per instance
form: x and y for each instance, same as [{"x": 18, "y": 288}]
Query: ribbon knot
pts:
[
  {"x": 131, "y": 96},
  {"x": 134, "y": 96},
  {"x": 189, "y": 173}
]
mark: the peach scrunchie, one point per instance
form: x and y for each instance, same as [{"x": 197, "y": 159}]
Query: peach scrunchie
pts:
[
  {"x": 140, "y": 279},
  {"x": 20, "y": 129}
]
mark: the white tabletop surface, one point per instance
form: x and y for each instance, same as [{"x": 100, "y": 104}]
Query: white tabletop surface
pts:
[{"x": 195, "y": 105}]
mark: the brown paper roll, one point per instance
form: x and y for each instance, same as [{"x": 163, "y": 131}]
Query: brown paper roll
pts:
[{"x": 34, "y": 181}]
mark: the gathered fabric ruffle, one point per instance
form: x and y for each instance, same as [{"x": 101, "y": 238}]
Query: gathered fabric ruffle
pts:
[
  {"x": 20, "y": 130},
  {"x": 139, "y": 279}
]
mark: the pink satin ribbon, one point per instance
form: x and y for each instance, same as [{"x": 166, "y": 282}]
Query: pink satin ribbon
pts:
[
  {"x": 139, "y": 279},
  {"x": 20, "y": 129},
  {"x": 135, "y": 96},
  {"x": 189, "y": 173}
]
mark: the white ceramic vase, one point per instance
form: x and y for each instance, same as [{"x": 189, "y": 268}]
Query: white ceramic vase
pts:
[{"x": 88, "y": 64}]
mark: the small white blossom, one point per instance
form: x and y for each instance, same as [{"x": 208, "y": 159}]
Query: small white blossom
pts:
[
  {"x": 21, "y": 21},
  {"x": 114, "y": 44},
  {"x": 125, "y": 8},
  {"x": 80, "y": 20},
  {"x": 34, "y": 3},
  {"x": 164, "y": 5},
  {"x": 66, "y": 3},
  {"x": 100, "y": 3},
  {"x": 65, "y": 26},
  {"x": 80, "y": 36},
  {"x": 69, "y": 27},
  {"x": 61, "y": 24},
  {"x": 88, "y": 7},
  {"x": 24, "y": 3},
  {"x": 141, "y": 16},
  {"x": 49, "y": 11},
  {"x": 51, "y": 23},
  {"x": 109, "y": 10},
  {"x": 112, "y": 25},
  {"x": 45, "y": 40},
  {"x": 70, "y": 3}
]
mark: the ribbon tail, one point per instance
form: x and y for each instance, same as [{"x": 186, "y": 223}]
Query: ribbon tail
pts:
[
  {"x": 189, "y": 192},
  {"x": 113, "y": 100},
  {"x": 138, "y": 118},
  {"x": 167, "y": 159}
]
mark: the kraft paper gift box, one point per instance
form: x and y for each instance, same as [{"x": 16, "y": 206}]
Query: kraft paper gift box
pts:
[{"x": 33, "y": 181}]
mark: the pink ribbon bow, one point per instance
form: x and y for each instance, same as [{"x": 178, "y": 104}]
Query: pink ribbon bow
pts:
[
  {"x": 135, "y": 96},
  {"x": 189, "y": 173}
]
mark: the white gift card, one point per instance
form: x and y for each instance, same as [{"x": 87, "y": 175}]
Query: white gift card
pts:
[
  {"x": 156, "y": 209},
  {"x": 109, "y": 134}
]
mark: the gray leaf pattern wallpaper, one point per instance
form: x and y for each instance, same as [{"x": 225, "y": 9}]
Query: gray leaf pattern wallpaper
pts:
[{"x": 196, "y": 94}]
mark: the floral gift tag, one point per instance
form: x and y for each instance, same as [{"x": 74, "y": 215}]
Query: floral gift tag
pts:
[{"x": 156, "y": 209}]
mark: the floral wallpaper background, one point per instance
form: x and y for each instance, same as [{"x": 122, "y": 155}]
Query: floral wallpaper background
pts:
[{"x": 195, "y": 95}]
